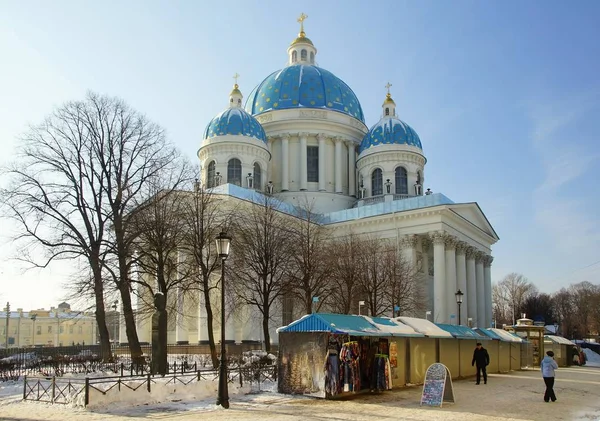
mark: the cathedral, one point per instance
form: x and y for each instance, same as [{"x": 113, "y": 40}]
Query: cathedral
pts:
[{"x": 301, "y": 136}]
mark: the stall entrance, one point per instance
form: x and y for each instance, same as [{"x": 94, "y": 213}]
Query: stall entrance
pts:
[{"x": 356, "y": 364}]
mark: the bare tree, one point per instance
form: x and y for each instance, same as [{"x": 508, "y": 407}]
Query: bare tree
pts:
[
  {"x": 56, "y": 196},
  {"x": 261, "y": 259},
  {"x": 310, "y": 269},
  {"x": 130, "y": 152},
  {"x": 202, "y": 219},
  {"x": 345, "y": 275},
  {"x": 374, "y": 279},
  {"x": 404, "y": 288},
  {"x": 159, "y": 233},
  {"x": 515, "y": 288}
]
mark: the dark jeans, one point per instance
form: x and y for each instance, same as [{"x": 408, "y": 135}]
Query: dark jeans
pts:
[
  {"x": 549, "y": 394},
  {"x": 481, "y": 369}
]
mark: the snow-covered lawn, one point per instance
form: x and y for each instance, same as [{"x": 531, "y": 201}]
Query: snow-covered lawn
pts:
[{"x": 517, "y": 396}]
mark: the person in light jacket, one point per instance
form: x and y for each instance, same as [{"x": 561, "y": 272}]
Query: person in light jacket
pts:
[{"x": 548, "y": 366}]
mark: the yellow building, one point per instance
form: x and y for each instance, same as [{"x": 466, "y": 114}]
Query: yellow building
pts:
[{"x": 55, "y": 327}]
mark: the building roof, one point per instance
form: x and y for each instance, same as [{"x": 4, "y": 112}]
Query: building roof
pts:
[
  {"x": 462, "y": 332},
  {"x": 506, "y": 336},
  {"x": 235, "y": 122},
  {"x": 353, "y": 325},
  {"x": 425, "y": 327},
  {"x": 390, "y": 130},
  {"x": 559, "y": 340},
  {"x": 489, "y": 334},
  {"x": 304, "y": 86}
]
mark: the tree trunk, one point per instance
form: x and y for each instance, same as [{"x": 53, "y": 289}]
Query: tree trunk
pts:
[
  {"x": 209, "y": 326},
  {"x": 105, "y": 352},
  {"x": 265, "y": 326}
]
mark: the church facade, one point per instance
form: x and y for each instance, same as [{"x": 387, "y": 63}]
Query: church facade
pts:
[{"x": 301, "y": 135}]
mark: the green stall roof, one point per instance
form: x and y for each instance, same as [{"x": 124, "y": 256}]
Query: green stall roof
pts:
[{"x": 462, "y": 332}]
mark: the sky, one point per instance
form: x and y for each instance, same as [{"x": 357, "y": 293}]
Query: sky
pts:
[{"x": 505, "y": 97}]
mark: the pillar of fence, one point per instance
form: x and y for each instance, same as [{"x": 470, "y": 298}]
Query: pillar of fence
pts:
[
  {"x": 148, "y": 382},
  {"x": 24, "y": 387},
  {"x": 53, "y": 388},
  {"x": 86, "y": 400}
]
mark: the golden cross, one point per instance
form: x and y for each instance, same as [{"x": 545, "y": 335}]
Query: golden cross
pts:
[
  {"x": 388, "y": 86},
  {"x": 301, "y": 20},
  {"x": 236, "y": 77}
]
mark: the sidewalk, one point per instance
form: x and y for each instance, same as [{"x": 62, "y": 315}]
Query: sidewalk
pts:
[{"x": 514, "y": 396}]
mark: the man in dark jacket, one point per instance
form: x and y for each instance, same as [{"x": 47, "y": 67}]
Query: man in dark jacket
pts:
[{"x": 482, "y": 359}]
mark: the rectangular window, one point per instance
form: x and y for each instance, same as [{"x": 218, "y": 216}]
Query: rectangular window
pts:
[
  {"x": 312, "y": 164},
  {"x": 62, "y": 329},
  {"x": 39, "y": 330},
  {"x": 49, "y": 329},
  {"x": 70, "y": 329},
  {"x": 80, "y": 329}
]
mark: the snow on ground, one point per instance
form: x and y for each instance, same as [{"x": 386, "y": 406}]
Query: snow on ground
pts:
[
  {"x": 592, "y": 359},
  {"x": 517, "y": 396}
]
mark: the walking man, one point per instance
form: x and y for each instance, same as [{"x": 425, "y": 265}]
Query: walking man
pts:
[
  {"x": 482, "y": 359},
  {"x": 548, "y": 366}
]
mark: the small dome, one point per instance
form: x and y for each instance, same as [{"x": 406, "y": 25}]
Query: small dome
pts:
[
  {"x": 301, "y": 39},
  {"x": 303, "y": 86},
  {"x": 390, "y": 131},
  {"x": 237, "y": 122}
]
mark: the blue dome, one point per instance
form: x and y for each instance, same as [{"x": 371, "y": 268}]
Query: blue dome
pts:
[
  {"x": 390, "y": 131},
  {"x": 303, "y": 86},
  {"x": 235, "y": 121}
]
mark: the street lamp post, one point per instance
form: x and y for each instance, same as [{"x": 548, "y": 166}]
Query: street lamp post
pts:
[
  {"x": 223, "y": 243},
  {"x": 360, "y": 304},
  {"x": 427, "y": 314},
  {"x": 459, "y": 299},
  {"x": 33, "y": 317}
]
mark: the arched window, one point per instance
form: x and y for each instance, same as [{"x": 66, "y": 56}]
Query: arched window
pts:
[
  {"x": 210, "y": 174},
  {"x": 312, "y": 58},
  {"x": 234, "y": 172},
  {"x": 294, "y": 56},
  {"x": 387, "y": 111},
  {"x": 231, "y": 100},
  {"x": 377, "y": 182},
  {"x": 303, "y": 55},
  {"x": 401, "y": 181},
  {"x": 257, "y": 177},
  {"x": 239, "y": 102}
]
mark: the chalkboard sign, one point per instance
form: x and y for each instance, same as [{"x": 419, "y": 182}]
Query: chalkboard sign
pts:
[{"x": 437, "y": 388}]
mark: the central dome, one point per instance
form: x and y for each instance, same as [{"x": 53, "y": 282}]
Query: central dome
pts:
[{"x": 304, "y": 86}]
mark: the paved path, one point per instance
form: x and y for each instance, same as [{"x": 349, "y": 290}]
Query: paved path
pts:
[{"x": 517, "y": 396}]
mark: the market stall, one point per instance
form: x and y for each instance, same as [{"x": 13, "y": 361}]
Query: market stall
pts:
[
  {"x": 457, "y": 355},
  {"x": 562, "y": 348},
  {"x": 330, "y": 355}
]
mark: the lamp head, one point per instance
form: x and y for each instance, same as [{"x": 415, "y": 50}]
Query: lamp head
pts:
[
  {"x": 459, "y": 296},
  {"x": 223, "y": 243}
]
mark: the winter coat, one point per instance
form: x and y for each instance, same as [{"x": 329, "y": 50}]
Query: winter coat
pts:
[
  {"x": 481, "y": 357},
  {"x": 548, "y": 365}
]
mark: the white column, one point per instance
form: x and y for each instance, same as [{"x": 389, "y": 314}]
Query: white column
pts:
[
  {"x": 202, "y": 320},
  {"x": 285, "y": 167},
  {"x": 480, "y": 289},
  {"x": 461, "y": 279},
  {"x": 338, "y": 165},
  {"x": 351, "y": 168},
  {"x": 427, "y": 286},
  {"x": 122, "y": 328},
  {"x": 487, "y": 278},
  {"x": 321, "y": 138},
  {"x": 471, "y": 297},
  {"x": 181, "y": 330},
  {"x": 303, "y": 162},
  {"x": 143, "y": 312},
  {"x": 409, "y": 249},
  {"x": 451, "y": 279},
  {"x": 439, "y": 276}
]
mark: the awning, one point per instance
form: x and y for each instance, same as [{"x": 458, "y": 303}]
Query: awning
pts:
[
  {"x": 352, "y": 325},
  {"x": 425, "y": 327},
  {"x": 559, "y": 340},
  {"x": 489, "y": 334},
  {"x": 462, "y": 332},
  {"x": 506, "y": 336}
]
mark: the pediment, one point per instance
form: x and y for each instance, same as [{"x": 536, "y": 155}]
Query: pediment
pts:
[{"x": 472, "y": 213}]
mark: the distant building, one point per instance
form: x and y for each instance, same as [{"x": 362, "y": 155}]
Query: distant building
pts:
[{"x": 55, "y": 327}]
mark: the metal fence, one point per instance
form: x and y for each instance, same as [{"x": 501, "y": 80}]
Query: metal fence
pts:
[{"x": 59, "y": 390}]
